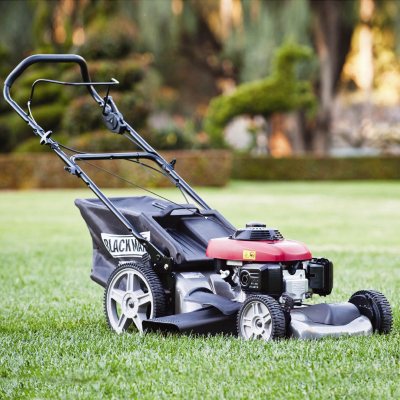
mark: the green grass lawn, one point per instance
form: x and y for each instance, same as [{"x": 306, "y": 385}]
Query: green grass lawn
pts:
[{"x": 54, "y": 342}]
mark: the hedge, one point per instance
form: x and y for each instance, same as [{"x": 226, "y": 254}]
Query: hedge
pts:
[
  {"x": 313, "y": 168},
  {"x": 202, "y": 168},
  {"x": 33, "y": 171}
]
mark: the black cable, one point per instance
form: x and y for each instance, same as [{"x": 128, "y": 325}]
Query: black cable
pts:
[
  {"x": 177, "y": 184},
  {"x": 71, "y": 149},
  {"x": 153, "y": 193},
  {"x": 131, "y": 139},
  {"x": 149, "y": 167},
  {"x": 134, "y": 161},
  {"x": 183, "y": 193},
  {"x": 41, "y": 80},
  {"x": 142, "y": 164},
  {"x": 141, "y": 187},
  {"x": 115, "y": 175},
  {"x": 130, "y": 183}
]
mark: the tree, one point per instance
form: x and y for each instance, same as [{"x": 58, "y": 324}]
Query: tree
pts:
[
  {"x": 333, "y": 25},
  {"x": 200, "y": 47},
  {"x": 100, "y": 32},
  {"x": 279, "y": 92}
]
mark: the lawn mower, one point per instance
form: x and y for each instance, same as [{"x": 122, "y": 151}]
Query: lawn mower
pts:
[{"x": 182, "y": 267}]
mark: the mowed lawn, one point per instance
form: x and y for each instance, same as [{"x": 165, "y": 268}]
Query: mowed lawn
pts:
[{"x": 54, "y": 342}]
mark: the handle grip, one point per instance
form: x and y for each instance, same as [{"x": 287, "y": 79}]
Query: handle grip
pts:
[
  {"x": 56, "y": 58},
  {"x": 46, "y": 58}
]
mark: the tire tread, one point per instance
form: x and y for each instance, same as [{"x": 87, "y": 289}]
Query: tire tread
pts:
[
  {"x": 383, "y": 305},
  {"x": 276, "y": 312},
  {"x": 160, "y": 303}
]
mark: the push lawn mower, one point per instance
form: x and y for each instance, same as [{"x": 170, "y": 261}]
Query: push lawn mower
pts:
[{"x": 176, "y": 267}]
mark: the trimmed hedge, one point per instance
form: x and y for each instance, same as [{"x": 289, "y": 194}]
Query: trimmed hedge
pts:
[
  {"x": 312, "y": 168},
  {"x": 201, "y": 168},
  {"x": 279, "y": 92},
  {"x": 33, "y": 171}
]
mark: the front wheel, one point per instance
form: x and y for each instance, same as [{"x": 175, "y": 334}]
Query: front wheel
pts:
[
  {"x": 133, "y": 294},
  {"x": 376, "y": 307},
  {"x": 261, "y": 317}
]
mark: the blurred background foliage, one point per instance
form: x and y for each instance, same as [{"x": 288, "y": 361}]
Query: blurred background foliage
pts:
[{"x": 172, "y": 57}]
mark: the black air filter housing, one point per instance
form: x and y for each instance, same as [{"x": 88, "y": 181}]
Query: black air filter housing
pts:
[
  {"x": 320, "y": 276},
  {"x": 257, "y": 231},
  {"x": 262, "y": 278}
]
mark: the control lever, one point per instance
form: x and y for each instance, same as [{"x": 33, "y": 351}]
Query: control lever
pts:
[{"x": 112, "y": 117}]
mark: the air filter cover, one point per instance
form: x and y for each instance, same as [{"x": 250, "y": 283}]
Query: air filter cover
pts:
[{"x": 257, "y": 231}]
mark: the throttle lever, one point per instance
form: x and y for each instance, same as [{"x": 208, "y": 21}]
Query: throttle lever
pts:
[{"x": 112, "y": 117}]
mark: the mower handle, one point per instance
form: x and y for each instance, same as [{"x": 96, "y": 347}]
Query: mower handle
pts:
[{"x": 46, "y": 58}]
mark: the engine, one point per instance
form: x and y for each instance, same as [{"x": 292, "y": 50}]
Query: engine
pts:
[
  {"x": 298, "y": 280},
  {"x": 261, "y": 260}
]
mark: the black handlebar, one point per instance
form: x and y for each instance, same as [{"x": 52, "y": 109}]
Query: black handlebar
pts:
[
  {"x": 57, "y": 58},
  {"x": 46, "y": 58}
]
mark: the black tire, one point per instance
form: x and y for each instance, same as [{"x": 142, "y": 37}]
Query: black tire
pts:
[
  {"x": 376, "y": 307},
  {"x": 122, "y": 305},
  {"x": 261, "y": 317}
]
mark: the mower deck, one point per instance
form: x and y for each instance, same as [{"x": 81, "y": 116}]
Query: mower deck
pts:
[
  {"x": 307, "y": 322},
  {"x": 321, "y": 320}
]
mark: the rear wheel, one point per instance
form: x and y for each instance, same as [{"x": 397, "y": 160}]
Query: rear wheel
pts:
[
  {"x": 376, "y": 307},
  {"x": 133, "y": 294},
  {"x": 261, "y": 317}
]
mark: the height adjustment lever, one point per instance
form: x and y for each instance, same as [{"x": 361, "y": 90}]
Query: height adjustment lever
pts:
[{"x": 112, "y": 117}]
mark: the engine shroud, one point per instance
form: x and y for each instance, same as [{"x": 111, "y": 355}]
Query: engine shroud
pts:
[
  {"x": 256, "y": 242},
  {"x": 260, "y": 251}
]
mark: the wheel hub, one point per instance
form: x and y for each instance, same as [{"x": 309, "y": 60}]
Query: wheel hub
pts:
[
  {"x": 130, "y": 305},
  {"x": 256, "y": 321},
  {"x": 258, "y": 325}
]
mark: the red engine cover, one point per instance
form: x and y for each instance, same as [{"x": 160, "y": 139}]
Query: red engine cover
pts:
[{"x": 266, "y": 251}]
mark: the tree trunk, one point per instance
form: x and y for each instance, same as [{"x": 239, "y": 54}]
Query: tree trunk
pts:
[{"x": 332, "y": 35}]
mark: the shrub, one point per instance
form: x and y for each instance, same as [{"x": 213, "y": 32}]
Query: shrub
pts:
[
  {"x": 14, "y": 130},
  {"x": 99, "y": 141},
  {"x": 279, "y": 92},
  {"x": 171, "y": 137},
  {"x": 312, "y": 168},
  {"x": 202, "y": 167},
  {"x": 82, "y": 115},
  {"x": 111, "y": 37}
]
